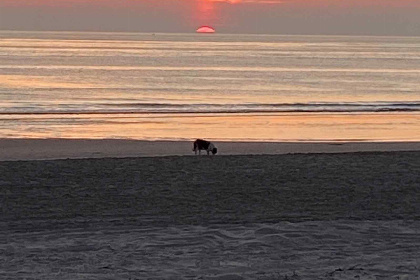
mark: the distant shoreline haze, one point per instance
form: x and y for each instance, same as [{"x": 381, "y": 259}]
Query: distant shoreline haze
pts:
[{"x": 318, "y": 17}]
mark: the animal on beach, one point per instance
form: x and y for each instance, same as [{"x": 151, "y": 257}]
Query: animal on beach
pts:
[{"x": 201, "y": 144}]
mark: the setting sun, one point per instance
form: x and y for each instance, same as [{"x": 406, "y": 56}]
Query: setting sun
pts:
[{"x": 206, "y": 29}]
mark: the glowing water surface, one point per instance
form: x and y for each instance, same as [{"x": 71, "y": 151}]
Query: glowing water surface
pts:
[{"x": 230, "y": 87}]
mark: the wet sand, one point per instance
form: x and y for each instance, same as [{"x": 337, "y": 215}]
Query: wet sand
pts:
[
  {"x": 294, "y": 216},
  {"x": 40, "y": 149}
]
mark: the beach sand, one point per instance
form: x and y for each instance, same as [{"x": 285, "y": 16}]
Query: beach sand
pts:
[{"x": 291, "y": 216}]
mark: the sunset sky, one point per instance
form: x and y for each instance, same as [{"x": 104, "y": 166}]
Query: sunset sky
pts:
[{"x": 357, "y": 17}]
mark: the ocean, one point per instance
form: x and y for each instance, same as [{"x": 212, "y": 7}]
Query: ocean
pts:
[{"x": 216, "y": 86}]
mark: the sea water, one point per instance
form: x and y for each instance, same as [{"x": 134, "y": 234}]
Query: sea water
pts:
[{"x": 216, "y": 86}]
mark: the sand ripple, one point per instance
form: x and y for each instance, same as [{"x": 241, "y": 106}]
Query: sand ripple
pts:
[{"x": 308, "y": 250}]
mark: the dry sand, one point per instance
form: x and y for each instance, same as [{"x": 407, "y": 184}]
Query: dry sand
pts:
[
  {"x": 301, "y": 216},
  {"x": 36, "y": 149}
]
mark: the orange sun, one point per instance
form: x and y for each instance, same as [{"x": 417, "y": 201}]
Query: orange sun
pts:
[{"x": 206, "y": 29}]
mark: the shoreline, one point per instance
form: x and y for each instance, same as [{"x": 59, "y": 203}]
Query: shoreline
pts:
[{"x": 48, "y": 149}]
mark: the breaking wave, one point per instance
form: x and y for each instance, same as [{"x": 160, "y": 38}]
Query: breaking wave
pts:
[{"x": 197, "y": 108}]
